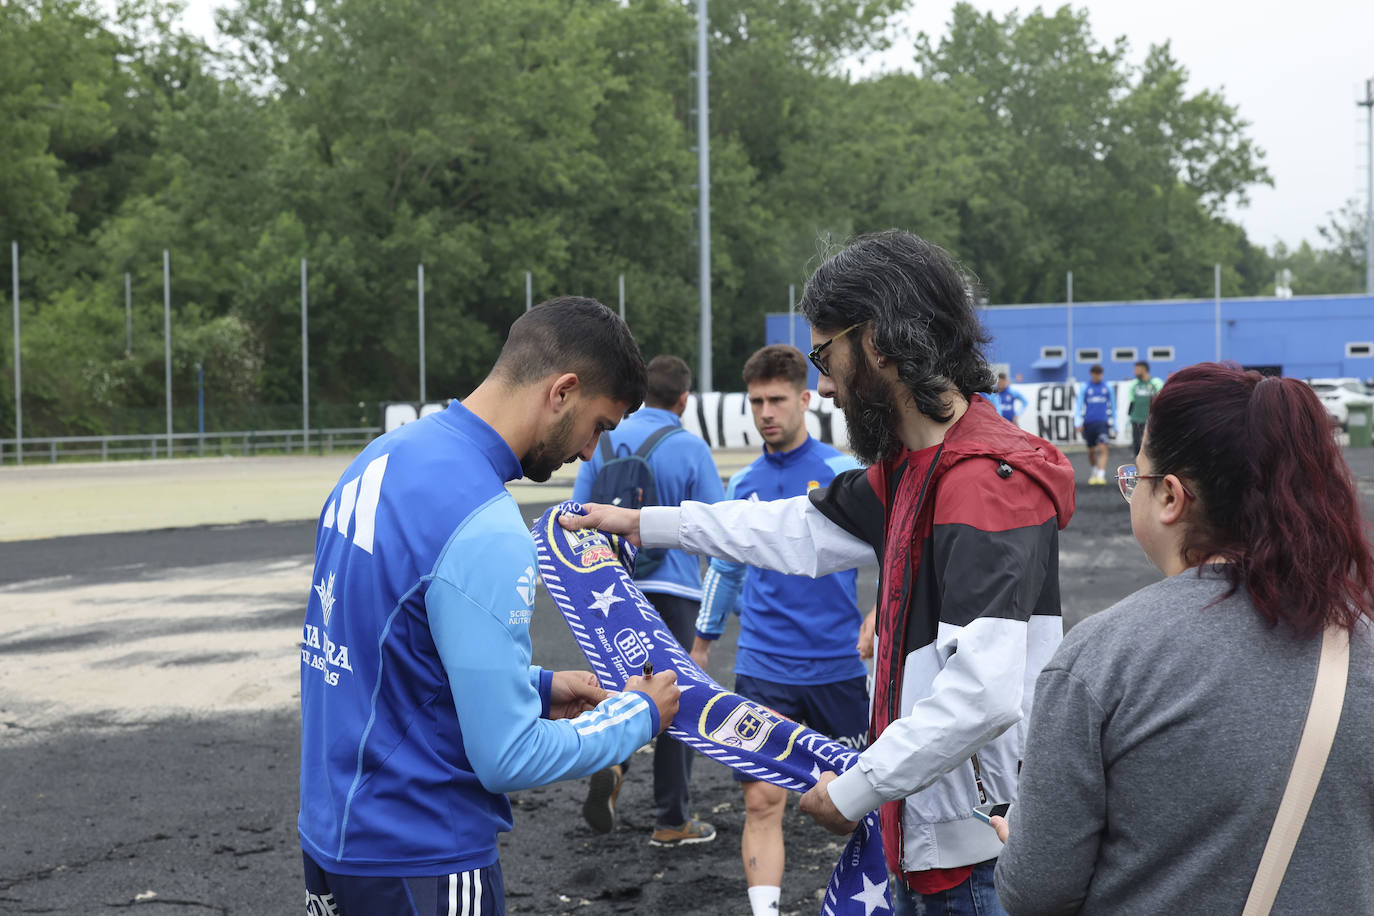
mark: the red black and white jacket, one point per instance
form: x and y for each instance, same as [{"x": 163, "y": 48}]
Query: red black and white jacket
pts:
[{"x": 968, "y": 537}]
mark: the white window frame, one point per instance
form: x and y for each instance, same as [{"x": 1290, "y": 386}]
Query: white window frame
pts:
[
  {"x": 1053, "y": 352},
  {"x": 1161, "y": 354},
  {"x": 1368, "y": 347},
  {"x": 1118, "y": 358},
  {"x": 1089, "y": 354}
]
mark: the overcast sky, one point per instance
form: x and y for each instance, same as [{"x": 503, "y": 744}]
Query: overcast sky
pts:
[{"x": 1295, "y": 70}]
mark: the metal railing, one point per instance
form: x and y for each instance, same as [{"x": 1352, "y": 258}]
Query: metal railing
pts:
[{"x": 155, "y": 445}]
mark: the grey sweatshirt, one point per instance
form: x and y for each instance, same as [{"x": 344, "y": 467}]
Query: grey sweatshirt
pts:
[{"x": 1161, "y": 741}]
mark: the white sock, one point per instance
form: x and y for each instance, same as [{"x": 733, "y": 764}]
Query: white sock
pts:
[{"x": 763, "y": 899}]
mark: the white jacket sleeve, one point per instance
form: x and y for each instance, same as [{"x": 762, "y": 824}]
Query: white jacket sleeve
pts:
[
  {"x": 787, "y": 535},
  {"x": 975, "y": 697}
]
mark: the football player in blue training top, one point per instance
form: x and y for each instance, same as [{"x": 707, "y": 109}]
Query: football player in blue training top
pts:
[
  {"x": 1094, "y": 418},
  {"x": 1009, "y": 403},
  {"x": 798, "y": 636},
  {"x": 419, "y": 705}
]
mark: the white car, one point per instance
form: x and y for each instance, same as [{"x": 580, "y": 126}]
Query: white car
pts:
[{"x": 1336, "y": 395}]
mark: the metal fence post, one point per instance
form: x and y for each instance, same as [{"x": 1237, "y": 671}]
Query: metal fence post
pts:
[
  {"x": 420, "y": 273},
  {"x": 1216, "y": 300},
  {"x": 18, "y": 382},
  {"x": 792, "y": 314},
  {"x": 167, "y": 338},
  {"x": 305, "y": 362}
]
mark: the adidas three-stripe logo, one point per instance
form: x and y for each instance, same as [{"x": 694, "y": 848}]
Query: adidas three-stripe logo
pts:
[{"x": 357, "y": 503}]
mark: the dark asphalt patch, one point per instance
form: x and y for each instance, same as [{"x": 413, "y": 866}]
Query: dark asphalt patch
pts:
[
  {"x": 290, "y": 612},
  {"x": 99, "y": 558}
]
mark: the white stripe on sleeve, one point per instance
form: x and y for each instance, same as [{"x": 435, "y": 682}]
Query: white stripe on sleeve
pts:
[
  {"x": 600, "y": 712},
  {"x": 630, "y": 713}
]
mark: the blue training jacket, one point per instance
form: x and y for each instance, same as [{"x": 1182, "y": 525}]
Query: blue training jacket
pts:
[
  {"x": 419, "y": 706},
  {"x": 683, "y": 469},
  {"x": 1009, "y": 402},
  {"x": 793, "y": 629},
  {"x": 1096, "y": 404}
]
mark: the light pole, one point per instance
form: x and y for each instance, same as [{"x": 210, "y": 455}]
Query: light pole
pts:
[{"x": 704, "y": 196}]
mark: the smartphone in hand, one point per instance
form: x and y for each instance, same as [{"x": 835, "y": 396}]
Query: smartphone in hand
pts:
[{"x": 985, "y": 813}]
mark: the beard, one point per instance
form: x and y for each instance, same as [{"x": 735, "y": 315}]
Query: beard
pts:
[
  {"x": 870, "y": 413},
  {"x": 550, "y": 453}
]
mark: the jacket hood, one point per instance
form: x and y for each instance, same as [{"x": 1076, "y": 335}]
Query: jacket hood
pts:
[{"x": 983, "y": 433}]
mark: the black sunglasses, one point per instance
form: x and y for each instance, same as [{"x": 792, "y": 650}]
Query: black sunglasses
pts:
[{"x": 823, "y": 367}]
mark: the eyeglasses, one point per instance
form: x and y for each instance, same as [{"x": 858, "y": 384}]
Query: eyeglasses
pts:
[
  {"x": 1127, "y": 476},
  {"x": 815, "y": 355}
]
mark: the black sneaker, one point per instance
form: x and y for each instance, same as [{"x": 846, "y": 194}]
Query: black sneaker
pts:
[{"x": 602, "y": 789}]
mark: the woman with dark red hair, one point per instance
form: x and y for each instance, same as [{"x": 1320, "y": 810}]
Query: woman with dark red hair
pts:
[{"x": 1166, "y": 727}]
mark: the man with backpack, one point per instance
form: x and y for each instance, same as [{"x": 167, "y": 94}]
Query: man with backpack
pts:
[{"x": 651, "y": 460}]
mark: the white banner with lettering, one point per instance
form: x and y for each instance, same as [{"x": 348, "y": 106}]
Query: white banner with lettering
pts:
[{"x": 724, "y": 419}]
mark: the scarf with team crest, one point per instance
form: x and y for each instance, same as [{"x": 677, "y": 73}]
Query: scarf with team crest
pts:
[{"x": 619, "y": 630}]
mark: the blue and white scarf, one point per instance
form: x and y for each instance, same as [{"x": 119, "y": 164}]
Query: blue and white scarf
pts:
[{"x": 619, "y": 630}]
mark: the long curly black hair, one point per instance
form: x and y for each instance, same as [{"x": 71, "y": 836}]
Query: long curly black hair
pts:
[{"x": 921, "y": 307}]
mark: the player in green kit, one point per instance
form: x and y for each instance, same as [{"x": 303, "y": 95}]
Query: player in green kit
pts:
[{"x": 1142, "y": 395}]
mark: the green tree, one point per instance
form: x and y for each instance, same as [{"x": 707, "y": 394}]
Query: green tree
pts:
[
  {"x": 1335, "y": 267},
  {"x": 1113, "y": 171}
]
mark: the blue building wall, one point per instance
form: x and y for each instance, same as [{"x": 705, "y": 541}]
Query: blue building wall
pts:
[
  {"x": 775, "y": 331},
  {"x": 1304, "y": 337}
]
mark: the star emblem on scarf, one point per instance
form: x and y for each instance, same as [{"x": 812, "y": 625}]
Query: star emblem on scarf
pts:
[
  {"x": 604, "y": 600},
  {"x": 871, "y": 897}
]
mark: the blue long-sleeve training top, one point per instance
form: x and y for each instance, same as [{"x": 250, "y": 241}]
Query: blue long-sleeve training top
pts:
[
  {"x": 793, "y": 629},
  {"x": 1096, "y": 404},
  {"x": 1009, "y": 402},
  {"x": 419, "y": 705}
]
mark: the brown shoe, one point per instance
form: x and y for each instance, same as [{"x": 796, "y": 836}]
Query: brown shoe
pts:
[
  {"x": 602, "y": 789},
  {"x": 694, "y": 831}
]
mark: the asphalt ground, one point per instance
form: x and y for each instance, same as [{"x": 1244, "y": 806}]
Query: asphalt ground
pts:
[{"x": 149, "y": 739}]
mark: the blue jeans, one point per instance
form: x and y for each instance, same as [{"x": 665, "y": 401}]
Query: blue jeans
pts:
[{"x": 975, "y": 897}]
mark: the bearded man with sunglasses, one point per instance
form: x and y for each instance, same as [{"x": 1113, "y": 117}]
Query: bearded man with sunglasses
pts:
[{"x": 962, "y": 510}]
